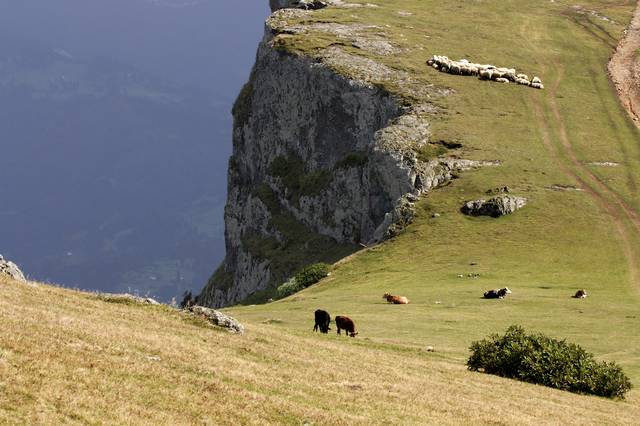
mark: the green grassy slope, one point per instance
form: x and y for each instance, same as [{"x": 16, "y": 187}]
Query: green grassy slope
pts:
[
  {"x": 560, "y": 242},
  {"x": 71, "y": 358}
]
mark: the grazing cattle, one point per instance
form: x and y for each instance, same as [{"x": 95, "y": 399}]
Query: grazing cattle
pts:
[
  {"x": 346, "y": 324},
  {"x": 581, "y": 294},
  {"x": 396, "y": 300},
  {"x": 322, "y": 321},
  {"x": 497, "y": 294}
]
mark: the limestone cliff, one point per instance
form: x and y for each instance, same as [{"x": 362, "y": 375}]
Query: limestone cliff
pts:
[{"x": 323, "y": 162}]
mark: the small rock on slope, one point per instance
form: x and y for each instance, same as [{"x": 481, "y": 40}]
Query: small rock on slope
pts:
[
  {"x": 11, "y": 269},
  {"x": 218, "y": 318},
  {"x": 494, "y": 207}
]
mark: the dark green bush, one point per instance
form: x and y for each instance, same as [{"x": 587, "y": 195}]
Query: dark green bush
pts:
[
  {"x": 314, "y": 183},
  {"x": 303, "y": 279},
  {"x": 353, "y": 159},
  {"x": 312, "y": 274},
  {"x": 539, "y": 359},
  {"x": 288, "y": 288},
  {"x": 291, "y": 170}
]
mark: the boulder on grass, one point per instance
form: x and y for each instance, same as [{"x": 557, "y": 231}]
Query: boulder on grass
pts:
[
  {"x": 218, "y": 318},
  {"x": 494, "y": 207}
]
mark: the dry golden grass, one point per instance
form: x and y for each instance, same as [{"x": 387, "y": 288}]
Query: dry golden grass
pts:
[{"x": 69, "y": 357}]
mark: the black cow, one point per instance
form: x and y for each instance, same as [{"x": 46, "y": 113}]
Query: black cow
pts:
[
  {"x": 346, "y": 324},
  {"x": 581, "y": 294},
  {"x": 497, "y": 294},
  {"x": 322, "y": 321}
]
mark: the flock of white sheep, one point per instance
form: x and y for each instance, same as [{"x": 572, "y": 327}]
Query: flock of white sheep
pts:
[{"x": 484, "y": 72}]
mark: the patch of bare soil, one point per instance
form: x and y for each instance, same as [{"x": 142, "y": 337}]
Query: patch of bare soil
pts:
[{"x": 624, "y": 68}]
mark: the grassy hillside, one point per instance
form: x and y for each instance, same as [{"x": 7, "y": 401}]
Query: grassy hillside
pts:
[
  {"x": 560, "y": 242},
  {"x": 67, "y": 356},
  {"x": 70, "y": 358}
]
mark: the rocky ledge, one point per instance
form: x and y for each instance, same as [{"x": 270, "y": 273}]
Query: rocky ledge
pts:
[{"x": 11, "y": 270}]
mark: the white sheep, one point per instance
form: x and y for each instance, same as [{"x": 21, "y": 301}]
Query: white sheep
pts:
[
  {"x": 485, "y": 74},
  {"x": 483, "y": 71}
]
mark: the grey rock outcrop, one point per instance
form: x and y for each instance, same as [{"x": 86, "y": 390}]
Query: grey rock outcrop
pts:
[
  {"x": 323, "y": 153},
  {"x": 11, "y": 270},
  {"x": 494, "y": 207},
  {"x": 218, "y": 318},
  {"x": 126, "y": 297}
]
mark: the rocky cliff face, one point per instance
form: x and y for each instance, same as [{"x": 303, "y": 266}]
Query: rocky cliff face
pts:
[{"x": 322, "y": 164}]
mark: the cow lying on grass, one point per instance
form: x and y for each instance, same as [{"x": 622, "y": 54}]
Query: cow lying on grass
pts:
[
  {"x": 396, "y": 300},
  {"x": 497, "y": 294},
  {"x": 346, "y": 324},
  {"x": 322, "y": 321},
  {"x": 581, "y": 294}
]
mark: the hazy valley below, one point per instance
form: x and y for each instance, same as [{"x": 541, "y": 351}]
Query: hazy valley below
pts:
[{"x": 116, "y": 132}]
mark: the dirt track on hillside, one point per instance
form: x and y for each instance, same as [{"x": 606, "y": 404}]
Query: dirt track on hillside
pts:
[
  {"x": 624, "y": 68},
  {"x": 610, "y": 202},
  {"x": 590, "y": 183},
  {"x": 624, "y": 71}
]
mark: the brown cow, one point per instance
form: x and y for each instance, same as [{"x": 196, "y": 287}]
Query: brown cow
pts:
[
  {"x": 346, "y": 324},
  {"x": 396, "y": 300}
]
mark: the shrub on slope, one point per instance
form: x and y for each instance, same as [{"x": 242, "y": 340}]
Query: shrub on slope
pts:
[
  {"x": 539, "y": 359},
  {"x": 303, "y": 279}
]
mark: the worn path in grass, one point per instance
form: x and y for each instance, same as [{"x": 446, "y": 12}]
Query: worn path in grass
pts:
[{"x": 624, "y": 217}]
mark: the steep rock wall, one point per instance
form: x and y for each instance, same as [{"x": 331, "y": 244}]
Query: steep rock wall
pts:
[{"x": 321, "y": 164}]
